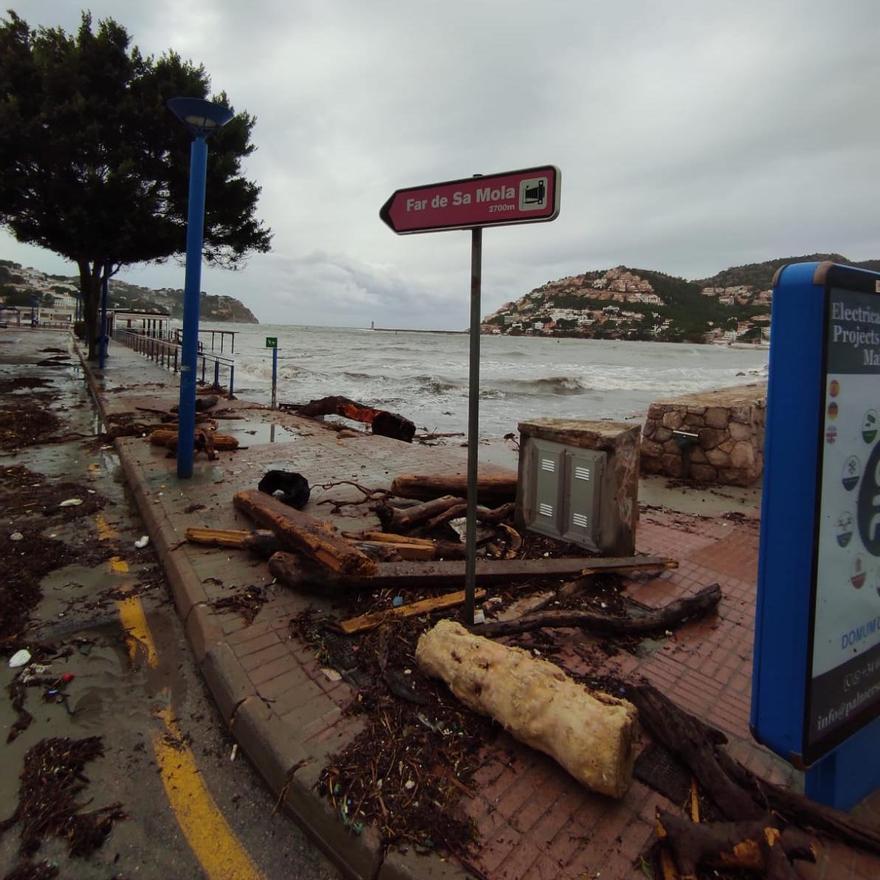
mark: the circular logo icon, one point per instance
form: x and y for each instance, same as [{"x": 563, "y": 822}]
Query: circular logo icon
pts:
[
  {"x": 830, "y": 434},
  {"x": 834, "y": 388},
  {"x": 858, "y": 573},
  {"x": 832, "y": 410},
  {"x": 869, "y": 426},
  {"x": 868, "y": 505},
  {"x": 844, "y": 528},
  {"x": 852, "y": 470}
]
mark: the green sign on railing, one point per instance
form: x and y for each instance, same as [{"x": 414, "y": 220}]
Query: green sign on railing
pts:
[{"x": 271, "y": 342}]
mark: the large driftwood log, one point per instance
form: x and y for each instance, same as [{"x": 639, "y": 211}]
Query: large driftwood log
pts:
[
  {"x": 759, "y": 845},
  {"x": 494, "y": 486},
  {"x": 383, "y": 423},
  {"x": 260, "y": 541},
  {"x": 589, "y": 733},
  {"x": 726, "y": 782},
  {"x": 299, "y": 531},
  {"x": 670, "y": 615}
]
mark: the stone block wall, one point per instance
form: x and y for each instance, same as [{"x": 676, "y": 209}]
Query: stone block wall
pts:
[{"x": 729, "y": 424}]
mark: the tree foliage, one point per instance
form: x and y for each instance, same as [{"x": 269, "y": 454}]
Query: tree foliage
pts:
[{"x": 94, "y": 167}]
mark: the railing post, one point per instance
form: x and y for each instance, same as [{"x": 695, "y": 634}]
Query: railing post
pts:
[
  {"x": 203, "y": 369},
  {"x": 175, "y": 359},
  {"x": 216, "y": 374},
  {"x": 231, "y": 379}
]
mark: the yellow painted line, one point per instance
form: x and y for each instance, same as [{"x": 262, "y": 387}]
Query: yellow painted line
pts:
[
  {"x": 208, "y": 834},
  {"x": 118, "y": 565},
  {"x": 106, "y": 532},
  {"x": 137, "y": 630}
]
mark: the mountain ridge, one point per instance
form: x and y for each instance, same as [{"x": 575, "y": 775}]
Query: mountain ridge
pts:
[
  {"x": 629, "y": 303},
  {"x": 19, "y": 284}
]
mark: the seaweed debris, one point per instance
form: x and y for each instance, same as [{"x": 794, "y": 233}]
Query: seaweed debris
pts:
[{"x": 51, "y": 781}]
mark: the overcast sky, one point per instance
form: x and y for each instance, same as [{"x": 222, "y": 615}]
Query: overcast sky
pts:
[{"x": 691, "y": 136}]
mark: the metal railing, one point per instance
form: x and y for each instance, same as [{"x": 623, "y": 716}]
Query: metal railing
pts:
[{"x": 214, "y": 369}]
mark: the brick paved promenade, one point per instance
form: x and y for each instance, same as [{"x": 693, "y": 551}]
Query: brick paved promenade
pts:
[{"x": 534, "y": 820}]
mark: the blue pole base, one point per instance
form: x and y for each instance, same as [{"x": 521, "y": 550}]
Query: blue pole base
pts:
[{"x": 848, "y": 774}]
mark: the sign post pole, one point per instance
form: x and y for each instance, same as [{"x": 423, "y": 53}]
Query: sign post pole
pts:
[
  {"x": 530, "y": 195},
  {"x": 272, "y": 342},
  {"x": 470, "y": 577}
]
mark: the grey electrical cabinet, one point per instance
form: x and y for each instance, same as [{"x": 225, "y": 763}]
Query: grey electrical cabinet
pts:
[
  {"x": 578, "y": 482},
  {"x": 562, "y": 492}
]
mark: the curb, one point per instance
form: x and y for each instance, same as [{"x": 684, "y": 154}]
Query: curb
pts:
[{"x": 286, "y": 765}]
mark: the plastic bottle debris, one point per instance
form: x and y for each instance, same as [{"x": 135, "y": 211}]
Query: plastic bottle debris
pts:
[
  {"x": 20, "y": 658},
  {"x": 234, "y": 752},
  {"x": 397, "y": 601},
  {"x": 16, "y": 536},
  {"x": 331, "y": 674},
  {"x": 142, "y": 542},
  {"x": 479, "y": 616},
  {"x": 71, "y": 502}
]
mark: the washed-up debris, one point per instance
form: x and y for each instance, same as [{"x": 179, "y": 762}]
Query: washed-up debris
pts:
[
  {"x": 17, "y": 383},
  {"x": 204, "y": 440},
  {"x": 301, "y": 532},
  {"x": 247, "y": 602},
  {"x": 71, "y": 502},
  {"x": 27, "y": 870},
  {"x": 26, "y": 422},
  {"x": 592, "y": 735},
  {"x": 424, "y": 606},
  {"x": 738, "y": 795},
  {"x": 261, "y": 542},
  {"x": 142, "y": 542},
  {"x": 51, "y": 782},
  {"x": 16, "y": 536},
  {"x": 383, "y": 423},
  {"x": 291, "y": 570},
  {"x": 20, "y": 658},
  {"x": 287, "y": 486},
  {"x": 637, "y": 623}
]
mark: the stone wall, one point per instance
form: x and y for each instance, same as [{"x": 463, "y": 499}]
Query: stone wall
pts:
[{"x": 729, "y": 424}]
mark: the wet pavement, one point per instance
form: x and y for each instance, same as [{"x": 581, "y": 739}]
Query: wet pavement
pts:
[{"x": 104, "y": 617}]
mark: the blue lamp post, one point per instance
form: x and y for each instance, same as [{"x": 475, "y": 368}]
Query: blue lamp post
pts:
[{"x": 201, "y": 118}]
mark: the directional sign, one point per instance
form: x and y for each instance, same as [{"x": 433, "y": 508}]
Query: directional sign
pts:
[
  {"x": 271, "y": 342},
  {"x": 527, "y": 196}
]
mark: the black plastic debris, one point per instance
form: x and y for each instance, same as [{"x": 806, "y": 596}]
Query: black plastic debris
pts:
[{"x": 286, "y": 486}]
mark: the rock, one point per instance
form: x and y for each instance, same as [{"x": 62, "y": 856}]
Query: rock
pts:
[
  {"x": 672, "y": 419},
  {"x": 672, "y": 465},
  {"x": 717, "y": 417},
  {"x": 739, "y": 431},
  {"x": 718, "y": 458},
  {"x": 711, "y": 437},
  {"x": 743, "y": 456},
  {"x": 703, "y": 473},
  {"x": 650, "y": 448},
  {"x": 661, "y": 434}
]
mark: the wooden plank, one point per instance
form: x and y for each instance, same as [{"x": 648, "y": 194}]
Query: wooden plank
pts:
[
  {"x": 219, "y": 537},
  {"x": 391, "y": 538},
  {"x": 411, "y": 552},
  {"x": 298, "y": 531},
  {"x": 446, "y": 573},
  {"x": 424, "y": 606}
]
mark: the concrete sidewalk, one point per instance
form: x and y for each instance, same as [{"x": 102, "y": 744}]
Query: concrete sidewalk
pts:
[{"x": 533, "y": 820}]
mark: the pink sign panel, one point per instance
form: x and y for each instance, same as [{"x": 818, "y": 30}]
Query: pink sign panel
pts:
[{"x": 528, "y": 196}]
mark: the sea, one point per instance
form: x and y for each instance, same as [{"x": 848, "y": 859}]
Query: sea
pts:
[{"x": 424, "y": 375}]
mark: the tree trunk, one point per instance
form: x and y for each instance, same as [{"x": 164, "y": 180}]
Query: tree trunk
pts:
[
  {"x": 91, "y": 274},
  {"x": 591, "y": 734}
]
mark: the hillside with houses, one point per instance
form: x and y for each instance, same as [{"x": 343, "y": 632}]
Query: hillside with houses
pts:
[
  {"x": 732, "y": 306},
  {"x": 23, "y": 287}
]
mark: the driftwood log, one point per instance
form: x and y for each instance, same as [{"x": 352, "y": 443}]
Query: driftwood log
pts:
[
  {"x": 203, "y": 440},
  {"x": 414, "y": 609},
  {"x": 296, "y": 530},
  {"x": 670, "y": 615},
  {"x": 383, "y": 423},
  {"x": 494, "y": 486},
  {"x": 762, "y": 845},
  {"x": 736, "y": 791},
  {"x": 591, "y": 734}
]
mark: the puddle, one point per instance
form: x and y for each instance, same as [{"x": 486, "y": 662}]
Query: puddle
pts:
[{"x": 252, "y": 433}]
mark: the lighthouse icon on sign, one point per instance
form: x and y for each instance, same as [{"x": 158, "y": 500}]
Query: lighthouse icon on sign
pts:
[{"x": 533, "y": 194}]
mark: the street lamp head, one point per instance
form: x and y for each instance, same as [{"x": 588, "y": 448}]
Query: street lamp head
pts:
[{"x": 201, "y": 117}]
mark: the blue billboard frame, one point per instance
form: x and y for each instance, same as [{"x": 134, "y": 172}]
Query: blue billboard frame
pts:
[{"x": 845, "y": 767}]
